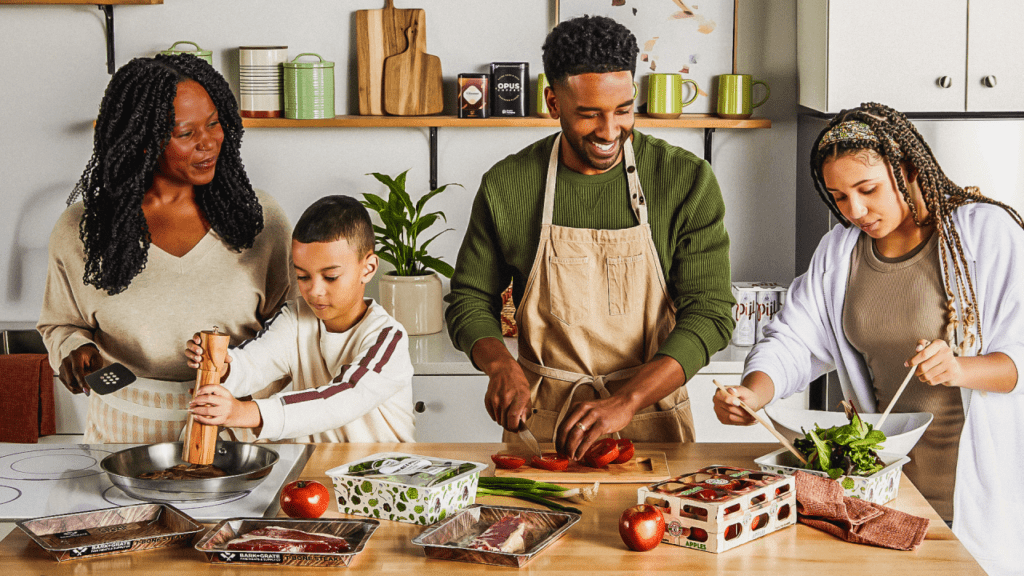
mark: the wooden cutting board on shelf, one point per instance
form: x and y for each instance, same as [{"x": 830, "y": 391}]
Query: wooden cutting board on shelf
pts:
[
  {"x": 380, "y": 34},
  {"x": 412, "y": 79},
  {"x": 646, "y": 468}
]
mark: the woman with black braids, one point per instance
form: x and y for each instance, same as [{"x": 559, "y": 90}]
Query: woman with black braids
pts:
[
  {"x": 170, "y": 237},
  {"x": 929, "y": 275}
]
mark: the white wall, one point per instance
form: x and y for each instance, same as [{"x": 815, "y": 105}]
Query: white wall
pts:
[{"x": 54, "y": 73}]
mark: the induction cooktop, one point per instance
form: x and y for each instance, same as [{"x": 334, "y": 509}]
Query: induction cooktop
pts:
[{"x": 49, "y": 479}]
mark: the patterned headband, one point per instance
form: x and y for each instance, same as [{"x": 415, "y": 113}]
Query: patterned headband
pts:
[{"x": 852, "y": 130}]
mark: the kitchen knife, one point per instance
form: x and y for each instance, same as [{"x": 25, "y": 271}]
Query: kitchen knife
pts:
[{"x": 526, "y": 436}]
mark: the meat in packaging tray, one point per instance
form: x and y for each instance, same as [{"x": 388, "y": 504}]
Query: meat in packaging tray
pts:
[
  {"x": 451, "y": 539},
  {"x": 276, "y": 536},
  {"x": 720, "y": 507},
  {"x": 111, "y": 531},
  {"x": 405, "y": 487}
]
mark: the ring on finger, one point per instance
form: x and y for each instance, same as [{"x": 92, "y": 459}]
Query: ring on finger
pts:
[{"x": 581, "y": 426}]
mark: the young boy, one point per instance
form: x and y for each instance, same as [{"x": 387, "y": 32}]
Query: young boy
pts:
[{"x": 348, "y": 360}]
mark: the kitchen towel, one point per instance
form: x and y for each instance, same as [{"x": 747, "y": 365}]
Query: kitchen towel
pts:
[
  {"x": 822, "y": 504},
  {"x": 26, "y": 398}
]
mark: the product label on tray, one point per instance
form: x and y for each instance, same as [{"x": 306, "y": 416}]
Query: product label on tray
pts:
[
  {"x": 100, "y": 548},
  {"x": 412, "y": 467},
  {"x": 253, "y": 557},
  {"x": 71, "y": 534}
]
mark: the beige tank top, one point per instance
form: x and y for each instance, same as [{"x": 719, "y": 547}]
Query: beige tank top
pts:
[{"x": 890, "y": 305}]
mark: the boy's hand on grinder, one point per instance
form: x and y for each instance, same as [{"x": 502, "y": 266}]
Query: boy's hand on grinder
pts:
[
  {"x": 194, "y": 353},
  {"x": 215, "y": 406}
]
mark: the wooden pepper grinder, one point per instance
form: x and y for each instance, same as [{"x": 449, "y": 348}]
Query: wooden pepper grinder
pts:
[{"x": 201, "y": 439}]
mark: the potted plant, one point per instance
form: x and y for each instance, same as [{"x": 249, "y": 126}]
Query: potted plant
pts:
[{"x": 412, "y": 292}]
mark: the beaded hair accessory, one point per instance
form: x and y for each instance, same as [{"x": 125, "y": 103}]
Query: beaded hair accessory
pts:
[{"x": 852, "y": 130}]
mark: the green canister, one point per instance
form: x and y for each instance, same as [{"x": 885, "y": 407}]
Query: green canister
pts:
[
  {"x": 199, "y": 52},
  {"x": 308, "y": 88}
]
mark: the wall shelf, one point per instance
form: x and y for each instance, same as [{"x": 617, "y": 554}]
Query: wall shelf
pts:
[
  {"x": 85, "y": 2},
  {"x": 708, "y": 122},
  {"x": 642, "y": 121}
]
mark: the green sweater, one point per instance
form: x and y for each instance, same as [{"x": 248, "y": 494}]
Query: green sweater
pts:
[{"x": 685, "y": 210}]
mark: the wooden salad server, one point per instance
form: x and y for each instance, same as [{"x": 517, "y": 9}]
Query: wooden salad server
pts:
[{"x": 200, "y": 442}]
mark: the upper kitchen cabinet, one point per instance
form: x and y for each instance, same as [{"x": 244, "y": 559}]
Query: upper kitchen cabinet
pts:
[
  {"x": 995, "y": 61},
  {"x": 914, "y": 55}
]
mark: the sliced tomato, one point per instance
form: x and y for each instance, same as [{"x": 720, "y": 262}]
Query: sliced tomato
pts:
[
  {"x": 508, "y": 461},
  {"x": 626, "y": 451},
  {"x": 550, "y": 461},
  {"x": 602, "y": 453}
]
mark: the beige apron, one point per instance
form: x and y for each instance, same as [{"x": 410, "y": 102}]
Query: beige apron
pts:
[
  {"x": 146, "y": 412},
  {"x": 151, "y": 411},
  {"x": 595, "y": 309}
]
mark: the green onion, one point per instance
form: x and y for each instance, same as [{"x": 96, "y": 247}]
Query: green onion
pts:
[
  {"x": 522, "y": 495},
  {"x": 516, "y": 487}
]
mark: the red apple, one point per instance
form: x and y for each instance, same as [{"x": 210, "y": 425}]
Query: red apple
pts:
[
  {"x": 304, "y": 499},
  {"x": 641, "y": 527}
]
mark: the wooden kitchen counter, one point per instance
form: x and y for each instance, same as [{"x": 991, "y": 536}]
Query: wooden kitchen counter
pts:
[{"x": 592, "y": 545}]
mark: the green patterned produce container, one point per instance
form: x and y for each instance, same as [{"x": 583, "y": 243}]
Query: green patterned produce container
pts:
[
  {"x": 879, "y": 488},
  {"x": 405, "y": 487}
]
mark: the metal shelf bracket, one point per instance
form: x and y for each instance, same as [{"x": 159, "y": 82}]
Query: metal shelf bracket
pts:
[
  {"x": 433, "y": 157},
  {"x": 707, "y": 143},
  {"x": 108, "y": 14}
]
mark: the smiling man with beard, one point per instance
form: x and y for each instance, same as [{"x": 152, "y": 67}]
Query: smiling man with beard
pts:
[{"x": 618, "y": 255}]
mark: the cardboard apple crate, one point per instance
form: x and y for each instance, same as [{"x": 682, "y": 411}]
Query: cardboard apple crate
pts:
[{"x": 721, "y": 507}]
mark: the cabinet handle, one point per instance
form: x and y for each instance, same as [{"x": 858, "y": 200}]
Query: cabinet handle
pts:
[
  {"x": 420, "y": 407},
  {"x": 989, "y": 81},
  {"x": 945, "y": 81}
]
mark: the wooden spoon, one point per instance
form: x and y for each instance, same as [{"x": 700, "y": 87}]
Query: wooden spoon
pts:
[
  {"x": 895, "y": 398},
  {"x": 764, "y": 423}
]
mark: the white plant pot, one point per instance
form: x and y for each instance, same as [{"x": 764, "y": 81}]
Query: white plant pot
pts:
[{"x": 415, "y": 301}]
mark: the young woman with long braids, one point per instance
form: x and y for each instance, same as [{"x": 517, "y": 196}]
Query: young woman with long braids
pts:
[
  {"x": 921, "y": 273},
  {"x": 169, "y": 238}
]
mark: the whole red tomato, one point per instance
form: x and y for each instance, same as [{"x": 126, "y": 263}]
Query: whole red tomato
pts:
[
  {"x": 304, "y": 499},
  {"x": 641, "y": 527}
]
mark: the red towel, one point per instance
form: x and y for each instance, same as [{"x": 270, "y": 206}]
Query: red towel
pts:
[
  {"x": 26, "y": 398},
  {"x": 822, "y": 504}
]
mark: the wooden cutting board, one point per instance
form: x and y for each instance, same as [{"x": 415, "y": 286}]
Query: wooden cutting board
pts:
[
  {"x": 645, "y": 468},
  {"x": 380, "y": 34},
  {"x": 412, "y": 79}
]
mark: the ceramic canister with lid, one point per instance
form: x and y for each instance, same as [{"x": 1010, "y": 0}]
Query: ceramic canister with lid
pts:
[
  {"x": 308, "y": 88},
  {"x": 260, "y": 72},
  {"x": 198, "y": 52}
]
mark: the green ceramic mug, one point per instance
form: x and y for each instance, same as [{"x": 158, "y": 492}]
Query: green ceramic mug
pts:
[
  {"x": 308, "y": 88},
  {"x": 665, "y": 95},
  {"x": 735, "y": 95},
  {"x": 542, "y": 102}
]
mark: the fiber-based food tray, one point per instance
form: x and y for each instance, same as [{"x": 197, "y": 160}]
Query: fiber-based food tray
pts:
[
  {"x": 111, "y": 531},
  {"x": 282, "y": 541},
  {"x": 718, "y": 508},
  {"x": 405, "y": 487},
  {"x": 496, "y": 535}
]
